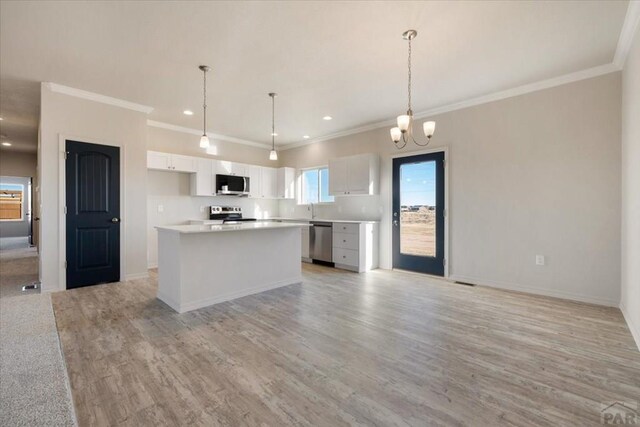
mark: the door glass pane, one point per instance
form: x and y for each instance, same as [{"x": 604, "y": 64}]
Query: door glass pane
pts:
[
  {"x": 310, "y": 186},
  {"x": 418, "y": 209},
  {"x": 324, "y": 186}
]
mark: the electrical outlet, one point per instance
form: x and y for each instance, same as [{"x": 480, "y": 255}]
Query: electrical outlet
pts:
[
  {"x": 363, "y": 209},
  {"x": 202, "y": 208},
  {"x": 160, "y": 208},
  {"x": 540, "y": 260}
]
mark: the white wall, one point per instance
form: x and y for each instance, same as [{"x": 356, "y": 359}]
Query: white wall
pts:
[
  {"x": 533, "y": 174},
  {"x": 88, "y": 121},
  {"x": 169, "y": 141},
  {"x": 630, "y": 302}
]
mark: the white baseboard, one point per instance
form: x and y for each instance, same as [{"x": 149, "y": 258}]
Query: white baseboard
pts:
[
  {"x": 205, "y": 302},
  {"x": 536, "y": 291},
  {"x": 635, "y": 329},
  {"x": 136, "y": 276}
]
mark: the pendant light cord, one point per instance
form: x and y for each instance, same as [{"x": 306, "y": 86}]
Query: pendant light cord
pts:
[
  {"x": 204, "y": 105},
  {"x": 273, "y": 123}
]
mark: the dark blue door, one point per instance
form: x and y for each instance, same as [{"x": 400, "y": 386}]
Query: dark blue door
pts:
[
  {"x": 93, "y": 214},
  {"x": 418, "y": 213}
]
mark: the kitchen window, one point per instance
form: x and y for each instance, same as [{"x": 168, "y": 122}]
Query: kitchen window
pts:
[{"x": 315, "y": 186}]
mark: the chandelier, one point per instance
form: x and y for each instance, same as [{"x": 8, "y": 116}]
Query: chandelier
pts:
[{"x": 404, "y": 130}]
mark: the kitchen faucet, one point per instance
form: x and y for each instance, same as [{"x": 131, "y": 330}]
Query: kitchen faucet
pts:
[{"x": 312, "y": 209}]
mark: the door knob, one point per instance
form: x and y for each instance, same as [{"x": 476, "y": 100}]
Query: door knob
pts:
[
  {"x": 395, "y": 222},
  {"x": 115, "y": 220}
]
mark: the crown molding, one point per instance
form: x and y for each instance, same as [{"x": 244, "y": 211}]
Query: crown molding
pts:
[
  {"x": 631, "y": 22},
  {"x": 96, "y": 97},
  {"x": 217, "y": 136},
  {"x": 496, "y": 96}
]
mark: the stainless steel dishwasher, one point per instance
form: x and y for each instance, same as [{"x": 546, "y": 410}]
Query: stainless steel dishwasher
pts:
[{"x": 321, "y": 241}]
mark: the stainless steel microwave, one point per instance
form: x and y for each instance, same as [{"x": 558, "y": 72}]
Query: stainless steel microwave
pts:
[{"x": 232, "y": 185}]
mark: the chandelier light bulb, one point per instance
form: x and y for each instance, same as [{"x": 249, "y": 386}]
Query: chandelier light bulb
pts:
[
  {"x": 396, "y": 134},
  {"x": 429, "y": 128},
  {"x": 403, "y": 122}
]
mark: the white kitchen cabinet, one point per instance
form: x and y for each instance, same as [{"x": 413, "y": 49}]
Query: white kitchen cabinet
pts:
[
  {"x": 268, "y": 178},
  {"x": 354, "y": 175},
  {"x": 183, "y": 163},
  {"x": 171, "y": 162},
  {"x": 286, "y": 186},
  {"x": 226, "y": 167},
  {"x": 158, "y": 161},
  {"x": 338, "y": 176},
  {"x": 355, "y": 246},
  {"x": 203, "y": 181},
  {"x": 254, "y": 173}
]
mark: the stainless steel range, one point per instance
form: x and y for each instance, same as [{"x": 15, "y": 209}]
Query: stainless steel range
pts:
[{"x": 227, "y": 214}]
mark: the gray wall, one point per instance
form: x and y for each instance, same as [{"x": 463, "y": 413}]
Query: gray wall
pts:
[
  {"x": 17, "y": 228},
  {"x": 533, "y": 174}
]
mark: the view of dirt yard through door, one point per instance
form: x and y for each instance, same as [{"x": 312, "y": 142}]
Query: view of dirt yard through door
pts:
[{"x": 418, "y": 231}]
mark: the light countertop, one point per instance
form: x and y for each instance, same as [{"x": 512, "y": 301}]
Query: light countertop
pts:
[
  {"x": 245, "y": 226},
  {"x": 348, "y": 221}
]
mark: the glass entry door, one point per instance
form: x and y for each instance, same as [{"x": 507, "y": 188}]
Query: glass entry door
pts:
[{"x": 418, "y": 213}]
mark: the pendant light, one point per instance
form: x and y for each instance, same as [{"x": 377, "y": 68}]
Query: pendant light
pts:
[
  {"x": 404, "y": 130},
  {"x": 204, "y": 139},
  {"x": 273, "y": 155}
]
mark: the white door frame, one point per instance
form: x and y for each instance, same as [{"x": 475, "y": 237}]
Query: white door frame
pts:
[
  {"x": 445, "y": 150},
  {"x": 62, "y": 201}
]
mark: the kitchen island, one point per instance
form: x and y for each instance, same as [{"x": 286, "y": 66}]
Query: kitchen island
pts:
[{"x": 201, "y": 265}]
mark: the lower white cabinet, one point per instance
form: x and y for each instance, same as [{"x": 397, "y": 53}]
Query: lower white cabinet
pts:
[
  {"x": 355, "y": 246},
  {"x": 305, "y": 244}
]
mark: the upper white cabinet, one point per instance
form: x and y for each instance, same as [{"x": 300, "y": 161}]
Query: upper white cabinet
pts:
[
  {"x": 268, "y": 178},
  {"x": 225, "y": 167},
  {"x": 264, "y": 182},
  {"x": 255, "y": 180},
  {"x": 354, "y": 175},
  {"x": 171, "y": 162},
  {"x": 286, "y": 183},
  {"x": 203, "y": 181}
]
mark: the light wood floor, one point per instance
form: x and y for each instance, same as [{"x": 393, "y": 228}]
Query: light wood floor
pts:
[{"x": 381, "y": 348}]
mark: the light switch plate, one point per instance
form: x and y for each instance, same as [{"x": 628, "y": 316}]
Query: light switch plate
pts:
[
  {"x": 160, "y": 208},
  {"x": 540, "y": 260}
]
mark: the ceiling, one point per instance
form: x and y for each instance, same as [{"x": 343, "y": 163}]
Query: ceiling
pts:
[{"x": 344, "y": 59}]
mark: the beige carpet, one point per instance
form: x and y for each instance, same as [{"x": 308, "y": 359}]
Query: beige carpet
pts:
[{"x": 34, "y": 387}]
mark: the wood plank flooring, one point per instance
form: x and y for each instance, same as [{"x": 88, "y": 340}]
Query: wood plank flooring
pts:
[{"x": 377, "y": 349}]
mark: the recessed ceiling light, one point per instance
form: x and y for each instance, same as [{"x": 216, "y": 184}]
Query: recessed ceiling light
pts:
[
  {"x": 327, "y": 118},
  {"x": 306, "y": 136},
  {"x": 1, "y": 118},
  {"x": 187, "y": 113},
  {"x": 6, "y": 144}
]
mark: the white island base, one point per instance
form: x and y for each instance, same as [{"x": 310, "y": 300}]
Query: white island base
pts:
[{"x": 201, "y": 265}]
